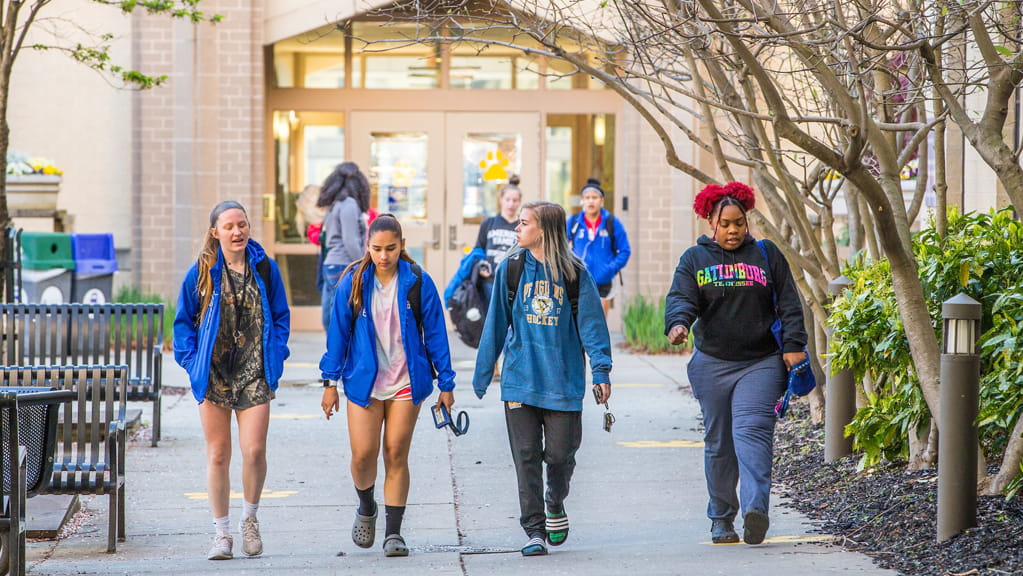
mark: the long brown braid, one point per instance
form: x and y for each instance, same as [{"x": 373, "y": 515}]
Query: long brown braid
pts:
[{"x": 383, "y": 223}]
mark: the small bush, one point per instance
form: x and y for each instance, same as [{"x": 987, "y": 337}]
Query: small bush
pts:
[
  {"x": 644, "y": 328},
  {"x": 133, "y": 295}
]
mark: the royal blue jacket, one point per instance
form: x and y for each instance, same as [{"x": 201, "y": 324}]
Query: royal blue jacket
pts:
[
  {"x": 544, "y": 364},
  {"x": 351, "y": 355},
  {"x": 600, "y": 261},
  {"x": 193, "y": 346}
]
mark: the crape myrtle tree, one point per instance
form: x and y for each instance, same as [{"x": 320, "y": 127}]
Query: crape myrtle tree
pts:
[
  {"x": 92, "y": 49},
  {"x": 816, "y": 100}
]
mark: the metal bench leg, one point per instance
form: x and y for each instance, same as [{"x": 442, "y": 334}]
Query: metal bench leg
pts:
[
  {"x": 121, "y": 523},
  {"x": 112, "y": 528},
  {"x": 156, "y": 421}
]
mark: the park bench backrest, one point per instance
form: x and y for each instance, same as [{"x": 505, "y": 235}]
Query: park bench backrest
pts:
[
  {"x": 90, "y": 335},
  {"x": 38, "y": 411}
]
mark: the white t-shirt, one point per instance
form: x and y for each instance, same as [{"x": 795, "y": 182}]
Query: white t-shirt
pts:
[{"x": 392, "y": 369}]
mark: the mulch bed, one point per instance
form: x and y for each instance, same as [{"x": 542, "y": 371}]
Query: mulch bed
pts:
[{"x": 889, "y": 513}]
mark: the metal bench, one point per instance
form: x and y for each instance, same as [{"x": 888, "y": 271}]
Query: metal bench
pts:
[
  {"x": 28, "y": 426},
  {"x": 91, "y": 335},
  {"x": 91, "y": 434}
]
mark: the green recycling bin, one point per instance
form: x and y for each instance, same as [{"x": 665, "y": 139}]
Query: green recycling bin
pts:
[{"x": 47, "y": 264}]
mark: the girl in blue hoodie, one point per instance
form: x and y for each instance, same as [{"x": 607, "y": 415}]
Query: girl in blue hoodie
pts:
[
  {"x": 231, "y": 335},
  {"x": 543, "y": 377},
  {"x": 385, "y": 360}
]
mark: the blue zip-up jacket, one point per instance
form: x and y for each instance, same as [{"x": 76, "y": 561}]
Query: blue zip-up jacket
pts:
[
  {"x": 543, "y": 357},
  {"x": 600, "y": 261},
  {"x": 193, "y": 346},
  {"x": 351, "y": 355}
]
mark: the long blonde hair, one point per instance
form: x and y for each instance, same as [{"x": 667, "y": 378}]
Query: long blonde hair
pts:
[
  {"x": 208, "y": 256},
  {"x": 557, "y": 254},
  {"x": 382, "y": 223}
]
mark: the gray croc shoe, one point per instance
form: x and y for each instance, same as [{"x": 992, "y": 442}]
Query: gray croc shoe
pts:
[
  {"x": 364, "y": 529},
  {"x": 394, "y": 545}
]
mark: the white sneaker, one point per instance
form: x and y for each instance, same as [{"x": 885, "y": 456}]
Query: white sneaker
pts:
[
  {"x": 221, "y": 550},
  {"x": 252, "y": 544}
]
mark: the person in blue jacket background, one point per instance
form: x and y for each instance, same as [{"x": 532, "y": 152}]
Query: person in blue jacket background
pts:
[
  {"x": 231, "y": 335},
  {"x": 544, "y": 379},
  {"x": 600, "y": 240},
  {"x": 375, "y": 350}
]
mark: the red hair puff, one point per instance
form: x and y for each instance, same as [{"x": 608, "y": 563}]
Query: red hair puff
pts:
[{"x": 711, "y": 194}]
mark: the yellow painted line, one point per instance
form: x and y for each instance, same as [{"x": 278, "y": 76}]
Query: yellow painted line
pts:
[
  {"x": 637, "y": 385},
  {"x": 236, "y": 495},
  {"x": 301, "y": 365},
  {"x": 666, "y": 444},
  {"x": 786, "y": 539},
  {"x": 294, "y": 416}
]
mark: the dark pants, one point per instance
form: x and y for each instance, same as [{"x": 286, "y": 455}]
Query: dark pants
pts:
[
  {"x": 539, "y": 436},
  {"x": 737, "y": 399}
]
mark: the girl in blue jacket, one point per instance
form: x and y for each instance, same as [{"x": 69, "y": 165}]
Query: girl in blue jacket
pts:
[
  {"x": 386, "y": 363},
  {"x": 599, "y": 239},
  {"x": 231, "y": 335},
  {"x": 544, "y": 379}
]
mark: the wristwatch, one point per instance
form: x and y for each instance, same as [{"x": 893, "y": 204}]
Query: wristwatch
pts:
[{"x": 329, "y": 383}]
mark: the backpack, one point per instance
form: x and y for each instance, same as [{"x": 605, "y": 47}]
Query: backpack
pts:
[
  {"x": 468, "y": 311},
  {"x": 515, "y": 262}
]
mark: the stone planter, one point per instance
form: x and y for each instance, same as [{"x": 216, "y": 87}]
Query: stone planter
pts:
[{"x": 32, "y": 192}]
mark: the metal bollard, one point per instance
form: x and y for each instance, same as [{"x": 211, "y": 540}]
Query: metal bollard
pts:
[
  {"x": 957, "y": 438},
  {"x": 840, "y": 396}
]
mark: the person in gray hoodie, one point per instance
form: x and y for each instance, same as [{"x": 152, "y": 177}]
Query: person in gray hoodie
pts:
[
  {"x": 737, "y": 371},
  {"x": 543, "y": 377},
  {"x": 345, "y": 195}
]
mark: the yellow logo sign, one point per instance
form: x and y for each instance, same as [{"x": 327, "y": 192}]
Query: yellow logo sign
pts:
[{"x": 494, "y": 166}]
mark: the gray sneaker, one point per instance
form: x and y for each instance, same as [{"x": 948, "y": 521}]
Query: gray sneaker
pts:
[
  {"x": 252, "y": 544},
  {"x": 221, "y": 550}
]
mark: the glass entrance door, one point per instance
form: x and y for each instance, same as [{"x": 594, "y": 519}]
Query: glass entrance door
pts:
[{"x": 440, "y": 174}]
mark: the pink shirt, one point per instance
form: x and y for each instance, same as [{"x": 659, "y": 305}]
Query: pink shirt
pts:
[{"x": 392, "y": 369}]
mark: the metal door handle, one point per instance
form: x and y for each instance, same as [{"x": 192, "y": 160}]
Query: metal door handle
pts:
[
  {"x": 453, "y": 243},
  {"x": 435, "y": 243}
]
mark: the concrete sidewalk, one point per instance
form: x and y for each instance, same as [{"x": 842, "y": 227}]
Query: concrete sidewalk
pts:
[{"x": 637, "y": 505}]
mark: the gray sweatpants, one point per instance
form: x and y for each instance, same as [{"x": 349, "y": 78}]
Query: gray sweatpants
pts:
[
  {"x": 737, "y": 399},
  {"x": 539, "y": 436}
]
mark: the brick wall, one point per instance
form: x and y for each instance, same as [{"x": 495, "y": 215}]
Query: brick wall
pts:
[{"x": 198, "y": 139}]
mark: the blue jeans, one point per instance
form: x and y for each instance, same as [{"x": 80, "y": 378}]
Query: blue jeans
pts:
[
  {"x": 737, "y": 399},
  {"x": 331, "y": 275}
]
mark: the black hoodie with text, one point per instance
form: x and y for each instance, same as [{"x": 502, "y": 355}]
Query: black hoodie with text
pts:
[{"x": 730, "y": 293}]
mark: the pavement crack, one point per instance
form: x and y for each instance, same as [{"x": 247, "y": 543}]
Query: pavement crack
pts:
[{"x": 456, "y": 500}]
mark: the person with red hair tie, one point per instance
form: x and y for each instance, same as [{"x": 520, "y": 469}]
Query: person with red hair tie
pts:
[{"x": 737, "y": 371}]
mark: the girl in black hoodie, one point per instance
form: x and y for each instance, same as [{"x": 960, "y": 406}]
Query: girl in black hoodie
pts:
[{"x": 737, "y": 371}]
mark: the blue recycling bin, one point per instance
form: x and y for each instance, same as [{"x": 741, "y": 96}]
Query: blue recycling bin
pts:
[
  {"x": 95, "y": 264},
  {"x": 46, "y": 268}
]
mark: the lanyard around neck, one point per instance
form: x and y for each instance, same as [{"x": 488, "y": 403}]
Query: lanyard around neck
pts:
[{"x": 239, "y": 308}]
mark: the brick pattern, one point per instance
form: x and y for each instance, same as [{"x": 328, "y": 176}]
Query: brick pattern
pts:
[{"x": 199, "y": 137}]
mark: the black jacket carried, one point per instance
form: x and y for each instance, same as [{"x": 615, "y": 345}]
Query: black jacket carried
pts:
[{"x": 729, "y": 292}]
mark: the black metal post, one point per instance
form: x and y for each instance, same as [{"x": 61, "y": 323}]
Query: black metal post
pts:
[{"x": 957, "y": 438}]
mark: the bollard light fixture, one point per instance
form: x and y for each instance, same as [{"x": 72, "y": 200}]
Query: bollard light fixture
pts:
[{"x": 961, "y": 317}]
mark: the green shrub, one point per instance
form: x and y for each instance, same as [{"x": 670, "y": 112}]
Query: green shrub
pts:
[
  {"x": 981, "y": 256},
  {"x": 132, "y": 295},
  {"x": 644, "y": 327}
]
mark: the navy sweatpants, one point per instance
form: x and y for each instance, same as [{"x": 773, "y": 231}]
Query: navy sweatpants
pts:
[{"x": 737, "y": 399}]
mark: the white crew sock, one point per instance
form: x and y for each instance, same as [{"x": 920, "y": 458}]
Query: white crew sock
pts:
[
  {"x": 249, "y": 509},
  {"x": 223, "y": 525}
]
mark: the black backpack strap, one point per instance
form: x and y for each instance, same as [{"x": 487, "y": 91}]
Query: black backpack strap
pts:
[
  {"x": 610, "y": 224},
  {"x": 263, "y": 269},
  {"x": 572, "y": 287},
  {"x": 515, "y": 262},
  {"x": 415, "y": 301}
]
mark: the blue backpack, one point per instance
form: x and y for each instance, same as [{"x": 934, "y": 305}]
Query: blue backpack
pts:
[{"x": 801, "y": 378}]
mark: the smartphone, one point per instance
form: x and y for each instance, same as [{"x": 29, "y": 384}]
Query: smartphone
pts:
[{"x": 441, "y": 416}]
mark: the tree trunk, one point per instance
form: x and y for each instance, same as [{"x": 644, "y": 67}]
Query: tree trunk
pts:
[{"x": 994, "y": 485}]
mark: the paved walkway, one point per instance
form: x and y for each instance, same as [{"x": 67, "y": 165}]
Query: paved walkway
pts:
[{"x": 637, "y": 504}]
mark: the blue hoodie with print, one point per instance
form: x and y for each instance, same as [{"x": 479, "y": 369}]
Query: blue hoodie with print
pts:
[{"x": 544, "y": 364}]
